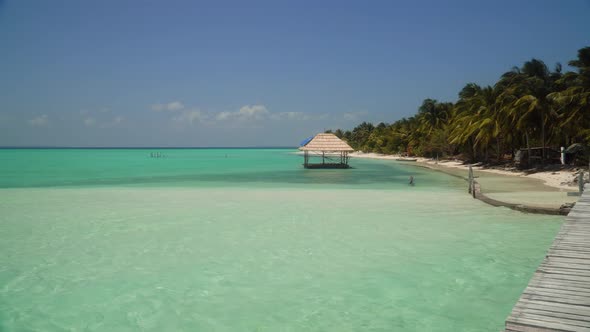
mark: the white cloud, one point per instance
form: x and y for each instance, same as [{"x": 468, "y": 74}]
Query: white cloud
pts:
[
  {"x": 295, "y": 116},
  {"x": 114, "y": 122},
  {"x": 189, "y": 117},
  {"x": 89, "y": 122},
  {"x": 246, "y": 116},
  {"x": 255, "y": 112},
  {"x": 245, "y": 113},
  {"x": 39, "y": 121},
  {"x": 171, "y": 106},
  {"x": 222, "y": 116},
  {"x": 175, "y": 106},
  {"x": 355, "y": 116},
  {"x": 102, "y": 117}
]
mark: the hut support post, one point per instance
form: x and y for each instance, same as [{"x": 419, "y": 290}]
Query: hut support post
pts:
[
  {"x": 581, "y": 182},
  {"x": 325, "y": 143}
]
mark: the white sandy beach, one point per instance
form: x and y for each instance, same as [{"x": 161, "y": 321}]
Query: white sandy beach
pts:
[
  {"x": 561, "y": 179},
  {"x": 544, "y": 189}
]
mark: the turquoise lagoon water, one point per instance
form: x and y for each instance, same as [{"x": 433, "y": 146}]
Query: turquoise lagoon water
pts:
[{"x": 247, "y": 240}]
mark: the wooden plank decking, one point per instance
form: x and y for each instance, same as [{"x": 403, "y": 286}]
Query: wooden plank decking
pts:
[{"x": 558, "y": 296}]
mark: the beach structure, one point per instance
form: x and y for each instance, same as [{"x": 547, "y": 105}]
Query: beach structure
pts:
[
  {"x": 558, "y": 296},
  {"x": 524, "y": 160},
  {"x": 332, "y": 150}
]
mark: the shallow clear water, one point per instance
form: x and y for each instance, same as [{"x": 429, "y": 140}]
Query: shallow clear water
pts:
[
  {"x": 190, "y": 168},
  {"x": 246, "y": 240}
]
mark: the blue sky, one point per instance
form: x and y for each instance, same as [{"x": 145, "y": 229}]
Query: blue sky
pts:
[{"x": 254, "y": 73}]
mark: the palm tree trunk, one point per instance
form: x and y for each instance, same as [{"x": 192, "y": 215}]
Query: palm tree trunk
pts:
[
  {"x": 528, "y": 147},
  {"x": 498, "y": 149},
  {"x": 473, "y": 149},
  {"x": 543, "y": 136}
]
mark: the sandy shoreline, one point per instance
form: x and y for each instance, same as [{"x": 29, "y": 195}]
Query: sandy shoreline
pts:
[
  {"x": 541, "y": 192},
  {"x": 559, "y": 180}
]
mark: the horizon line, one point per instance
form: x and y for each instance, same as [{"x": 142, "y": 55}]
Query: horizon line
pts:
[{"x": 145, "y": 147}]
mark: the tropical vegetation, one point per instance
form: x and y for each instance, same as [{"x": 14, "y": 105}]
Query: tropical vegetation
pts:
[{"x": 529, "y": 106}]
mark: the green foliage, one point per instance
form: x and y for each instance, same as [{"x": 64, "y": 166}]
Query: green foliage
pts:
[{"x": 528, "y": 106}]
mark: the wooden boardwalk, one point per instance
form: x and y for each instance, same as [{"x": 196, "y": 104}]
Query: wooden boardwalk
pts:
[{"x": 558, "y": 296}]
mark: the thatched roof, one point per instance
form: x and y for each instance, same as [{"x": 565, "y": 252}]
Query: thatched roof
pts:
[{"x": 326, "y": 142}]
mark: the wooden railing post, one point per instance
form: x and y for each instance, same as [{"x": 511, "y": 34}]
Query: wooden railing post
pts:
[{"x": 472, "y": 190}]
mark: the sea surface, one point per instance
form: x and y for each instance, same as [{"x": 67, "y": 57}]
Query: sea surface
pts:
[{"x": 248, "y": 240}]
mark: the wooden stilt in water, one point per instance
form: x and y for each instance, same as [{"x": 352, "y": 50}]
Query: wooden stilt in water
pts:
[
  {"x": 580, "y": 186},
  {"x": 323, "y": 144}
]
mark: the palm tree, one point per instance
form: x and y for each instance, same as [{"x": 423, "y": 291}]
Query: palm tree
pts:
[
  {"x": 462, "y": 119},
  {"x": 528, "y": 89},
  {"x": 361, "y": 133},
  {"x": 573, "y": 101},
  {"x": 478, "y": 119},
  {"x": 432, "y": 115},
  {"x": 489, "y": 121},
  {"x": 529, "y": 104}
]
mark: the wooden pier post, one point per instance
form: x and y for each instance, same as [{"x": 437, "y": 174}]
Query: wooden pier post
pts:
[
  {"x": 581, "y": 182},
  {"x": 556, "y": 298},
  {"x": 471, "y": 180}
]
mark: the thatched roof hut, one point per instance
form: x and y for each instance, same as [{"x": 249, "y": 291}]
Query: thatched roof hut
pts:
[{"x": 326, "y": 143}]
